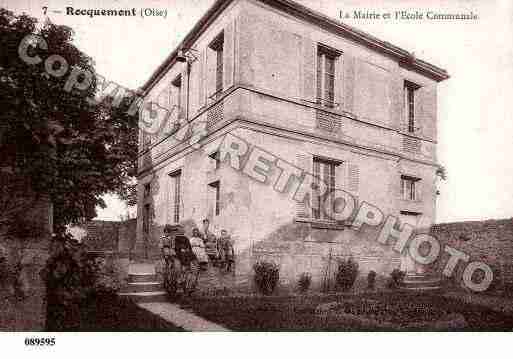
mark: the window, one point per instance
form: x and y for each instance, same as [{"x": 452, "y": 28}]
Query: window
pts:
[
  {"x": 326, "y": 60},
  {"x": 146, "y": 140},
  {"x": 215, "y": 156},
  {"x": 146, "y": 218},
  {"x": 177, "y": 84},
  {"x": 147, "y": 190},
  {"x": 214, "y": 188},
  {"x": 175, "y": 178},
  {"x": 409, "y": 104},
  {"x": 217, "y": 45},
  {"x": 323, "y": 170},
  {"x": 409, "y": 188}
]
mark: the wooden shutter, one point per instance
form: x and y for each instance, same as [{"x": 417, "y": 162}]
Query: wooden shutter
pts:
[
  {"x": 353, "y": 178},
  {"x": 210, "y": 76},
  {"x": 304, "y": 162},
  {"x": 202, "y": 81},
  {"x": 340, "y": 176},
  {"x": 309, "y": 69},
  {"x": 418, "y": 190},
  {"x": 339, "y": 82},
  {"x": 425, "y": 109},
  {"x": 348, "y": 84},
  {"x": 397, "y": 103},
  {"x": 184, "y": 92},
  {"x": 171, "y": 200},
  {"x": 228, "y": 54},
  {"x": 314, "y": 198}
]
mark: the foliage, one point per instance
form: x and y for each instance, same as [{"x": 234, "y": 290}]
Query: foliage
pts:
[
  {"x": 371, "y": 280},
  {"x": 396, "y": 279},
  {"x": 55, "y": 142},
  {"x": 74, "y": 277},
  {"x": 441, "y": 172},
  {"x": 347, "y": 272},
  {"x": 396, "y": 310},
  {"x": 304, "y": 282},
  {"x": 266, "y": 277}
]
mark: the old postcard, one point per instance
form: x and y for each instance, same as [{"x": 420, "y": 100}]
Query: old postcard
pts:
[{"x": 255, "y": 165}]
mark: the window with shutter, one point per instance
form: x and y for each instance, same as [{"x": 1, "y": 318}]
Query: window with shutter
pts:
[
  {"x": 410, "y": 188},
  {"x": 177, "y": 85},
  {"x": 218, "y": 46},
  {"x": 323, "y": 170},
  {"x": 409, "y": 104},
  {"x": 147, "y": 190},
  {"x": 229, "y": 55},
  {"x": 146, "y": 218},
  {"x": 215, "y": 196},
  {"x": 175, "y": 178},
  {"x": 326, "y": 63}
]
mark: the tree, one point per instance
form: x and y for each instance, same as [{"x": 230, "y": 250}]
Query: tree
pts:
[{"x": 55, "y": 142}]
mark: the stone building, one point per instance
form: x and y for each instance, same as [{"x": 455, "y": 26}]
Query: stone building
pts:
[{"x": 355, "y": 111}]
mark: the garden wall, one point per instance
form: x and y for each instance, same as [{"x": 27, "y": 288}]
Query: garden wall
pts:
[
  {"x": 489, "y": 241},
  {"x": 23, "y": 255},
  {"x": 113, "y": 240}
]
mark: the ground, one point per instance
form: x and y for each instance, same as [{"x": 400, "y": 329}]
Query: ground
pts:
[
  {"x": 113, "y": 314},
  {"x": 299, "y": 313},
  {"x": 296, "y": 313}
]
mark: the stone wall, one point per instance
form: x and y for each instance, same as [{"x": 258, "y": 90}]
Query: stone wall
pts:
[
  {"x": 22, "y": 289},
  {"x": 489, "y": 241},
  {"x": 113, "y": 240}
]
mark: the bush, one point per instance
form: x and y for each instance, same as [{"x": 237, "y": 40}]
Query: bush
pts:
[
  {"x": 304, "y": 282},
  {"x": 346, "y": 273},
  {"x": 371, "y": 280},
  {"x": 396, "y": 279},
  {"x": 73, "y": 278},
  {"x": 266, "y": 277}
]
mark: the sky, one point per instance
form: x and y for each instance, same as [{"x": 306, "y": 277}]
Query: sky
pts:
[{"x": 474, "y": 127}]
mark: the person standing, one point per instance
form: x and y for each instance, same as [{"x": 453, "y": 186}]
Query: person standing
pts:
[
  {"x": 210, "y": 241},
  {"x": 167, "y": 239},
  {"x": 198, "y": 247},
  {"x": 227, "y": 250}
]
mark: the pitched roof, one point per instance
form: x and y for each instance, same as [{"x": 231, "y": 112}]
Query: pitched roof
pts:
[{"x": 406, "y": 58}]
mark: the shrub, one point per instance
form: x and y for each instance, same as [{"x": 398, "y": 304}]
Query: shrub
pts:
[
  {"x": 346, "y": 273},
  {"x": 304, "y": 282},
  {"x": 396, "y": 279},
  {"x": 266, "y": 277},
  {"x": 73, "y": 278},
  {"x": 371, "y": 280}
]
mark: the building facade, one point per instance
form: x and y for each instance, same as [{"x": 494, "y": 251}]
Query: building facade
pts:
[{"x": 311, "y": 94}]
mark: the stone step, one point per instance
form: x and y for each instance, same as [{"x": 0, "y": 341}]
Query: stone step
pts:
[
  {"x": 143, "y": 287},
  {"x": 145, "y": 297},
  {"x": 142, "y": 277},
  {"x": 422, "y": 276},
  {"x": 421, "y": 283},
  {"x": 423, "y": 289}
]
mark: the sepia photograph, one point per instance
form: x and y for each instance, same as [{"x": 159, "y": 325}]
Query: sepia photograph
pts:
[{"x": 255, "y": 166}]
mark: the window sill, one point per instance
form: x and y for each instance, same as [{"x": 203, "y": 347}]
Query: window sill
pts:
[{"x": 411, "y": 200}]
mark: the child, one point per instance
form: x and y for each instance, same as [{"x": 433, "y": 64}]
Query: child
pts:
[
  {"x": 228, "y": 253},
  {"x": 198, "y": 247}
]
